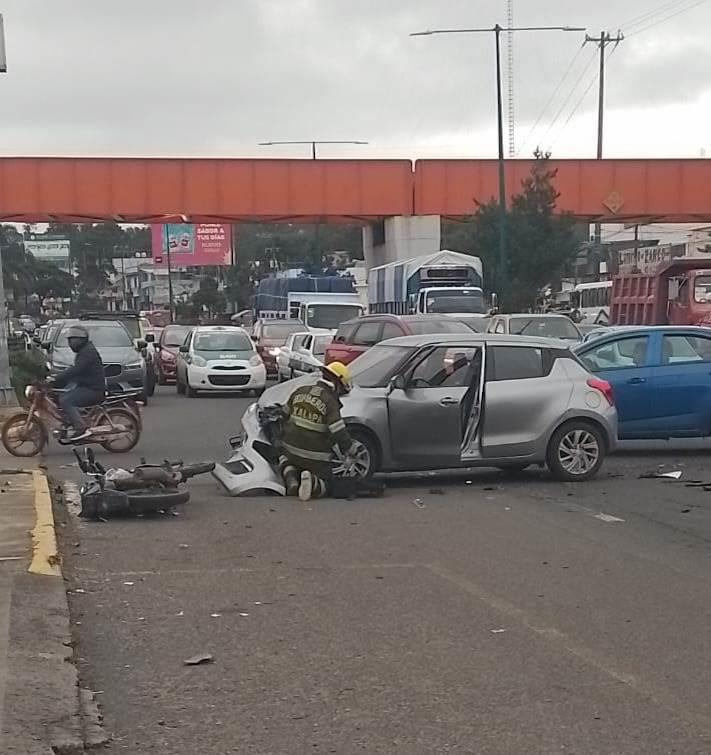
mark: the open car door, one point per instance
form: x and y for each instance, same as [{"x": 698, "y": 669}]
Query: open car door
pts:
[{"x": 472, "y": 411}]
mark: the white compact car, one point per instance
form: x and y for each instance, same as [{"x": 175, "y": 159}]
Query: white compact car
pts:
[{"x": 219, "y": 359}]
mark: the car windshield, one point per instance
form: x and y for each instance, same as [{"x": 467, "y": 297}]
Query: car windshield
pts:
[
  {"x": 375, "y": 367},
  {"x": 462, "y": 301},
  {"x": 174, "y": 335},
  {"x": 282, "y": 329},
  {"x": 108, "y": 335},
  {"x": 545, "y": 327},
  {"x": 222, "y": 341},
  {"x": 445, "y": 325},
  {"x": 702, "y": 290},
  {"x": 330, "y": 316},
  {"x": 320, "y": 343}
]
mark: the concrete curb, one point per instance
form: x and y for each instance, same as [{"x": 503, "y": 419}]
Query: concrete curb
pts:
[{"x": 43, "y": 701}]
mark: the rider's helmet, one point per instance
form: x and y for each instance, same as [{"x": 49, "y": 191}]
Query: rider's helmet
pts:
[
  {"x": 340, "y": 372},
  {"x": 77, "y": 336}
]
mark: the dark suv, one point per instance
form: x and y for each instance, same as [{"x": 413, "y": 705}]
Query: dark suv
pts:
[{"x": 358, "y": 335}]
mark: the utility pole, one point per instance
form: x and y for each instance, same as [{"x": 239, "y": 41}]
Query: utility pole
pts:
[
  {"x": 602, "y": 41},
  {"x": 502, "y": 277},
  {"x": 170, "y": 275},
  {"x": 7, "y": 394}
]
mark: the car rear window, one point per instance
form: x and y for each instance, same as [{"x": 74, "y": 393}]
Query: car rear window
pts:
[
  {"x": 516, "y": 363},
  {"x": 281, "y": 329},
  {"x": 544, "y": 327},
  {"x": 344, "y": 334},
  {"x": 445, "y": 325},
  {"x": 174, "y": 335}
]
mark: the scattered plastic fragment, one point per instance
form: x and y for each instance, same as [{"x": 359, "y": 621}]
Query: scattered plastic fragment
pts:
[
  {"x": 215, "y": 615},
  {"x": 130, "y": 584},
  {"x": 419, "y": 503},
  {"x": 497, "y": 631},
  {"x": 244, "y": 614},
  {"x": 197, "y": 660}
]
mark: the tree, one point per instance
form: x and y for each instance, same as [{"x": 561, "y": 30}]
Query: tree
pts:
[
  {"x": 541, "y": 242},
  {"x": 208, "y": 297}
]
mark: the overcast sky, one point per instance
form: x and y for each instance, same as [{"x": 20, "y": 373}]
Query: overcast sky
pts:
[{"x": 215, "y": 77}]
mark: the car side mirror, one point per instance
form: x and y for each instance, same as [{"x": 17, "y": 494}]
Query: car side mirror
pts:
[
  {"x": 150, "y": 338},
  {"x": 36, "y": 341},
  {"x": 398, "y": 383},
  {"x": 183, "y": 349},
  {"x": 47, "y": 345},
  {"x": 140, "y": 344},
  {"x": 254, "y": 338}
]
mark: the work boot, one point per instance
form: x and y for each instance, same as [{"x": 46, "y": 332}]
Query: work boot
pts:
[{"x": 306, "y": 486}]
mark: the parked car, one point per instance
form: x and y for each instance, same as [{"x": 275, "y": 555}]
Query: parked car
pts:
[
  {"x": 124, "y": 367},
  {"x": 443, "y": 401},
  {"x": 540, "y": 326},
  {"x": 356, "y": 336},
  {"x": 219, "y": 358},
  {"x": 660, "y": 377},
  {"x": 308, "y": 356},
  {"x": 294, "y": 341},
  {"x": 172, "y": 337},
  {"x": 270, "y": 336}
]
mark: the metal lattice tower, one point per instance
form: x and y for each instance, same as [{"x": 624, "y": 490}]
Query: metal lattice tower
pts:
[{"x": 510, "y": 76}]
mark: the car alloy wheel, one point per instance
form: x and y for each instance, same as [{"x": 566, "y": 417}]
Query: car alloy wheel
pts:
[
  {"x": 361, "y": 462},
  {"x": 578, "y": 452}
]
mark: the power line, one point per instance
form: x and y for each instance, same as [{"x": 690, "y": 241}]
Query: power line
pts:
[
  {"x": 667, "y": 18},
  {"x": 557, "y": 89},
  {"x": 660, "y": 10},
  {"x": 568, "y": 98}
]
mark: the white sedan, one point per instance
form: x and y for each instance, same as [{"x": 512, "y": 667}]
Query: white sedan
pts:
[
  {"x": 283, "y": 358},
  {"x": 221, "y": 359},
  {"x": 308, "y": 356}
]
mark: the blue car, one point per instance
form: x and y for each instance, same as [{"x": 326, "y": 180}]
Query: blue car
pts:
[{"x": 660, "y": 376}]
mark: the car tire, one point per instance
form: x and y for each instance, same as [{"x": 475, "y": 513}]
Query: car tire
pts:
[
  {"x": 189, "y": 392},
  {"x": 364, "y": 440},
  {"x": 161, "y": 379},
  {"x": 150, "y": 383},
  {"x": 179, "y": 387},
  {"x": 143, "y": 398},
  {"x": 570, "y": 439}
]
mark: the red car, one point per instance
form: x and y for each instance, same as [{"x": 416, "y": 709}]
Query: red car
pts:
[
  {"x": 270, "y": 335},
  {"x": 358, "y": 335},
  {"x": 171, "y": 339}
]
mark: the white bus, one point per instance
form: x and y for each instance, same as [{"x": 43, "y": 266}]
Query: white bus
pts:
[{"x": 594, "y": 304}]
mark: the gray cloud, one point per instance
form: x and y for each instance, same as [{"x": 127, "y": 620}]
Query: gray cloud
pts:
[{"x": 218, "y": 76}]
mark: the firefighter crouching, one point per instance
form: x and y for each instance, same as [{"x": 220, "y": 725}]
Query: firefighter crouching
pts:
[{"x": 314, "y": 428}]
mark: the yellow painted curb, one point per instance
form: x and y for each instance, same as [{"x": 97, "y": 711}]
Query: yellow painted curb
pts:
[{"x": 45, "y": 558}]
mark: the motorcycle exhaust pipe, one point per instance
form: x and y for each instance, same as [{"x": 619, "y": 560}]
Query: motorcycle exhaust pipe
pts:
[{"x": 111, "y": 429}]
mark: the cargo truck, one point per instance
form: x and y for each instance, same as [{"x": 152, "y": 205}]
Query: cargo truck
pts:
[
  {"x": 677, "y": 292},
  {"x": 445, "y": 282}
]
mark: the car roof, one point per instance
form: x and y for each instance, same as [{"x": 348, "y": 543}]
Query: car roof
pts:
[
  {"x": 612, "y": 331},
  {"x": 398, "y": 318},
  {"x": 218, "y": 328},
  {"x": 497, "y": 338},
  {"x": 537, "y": 315}
]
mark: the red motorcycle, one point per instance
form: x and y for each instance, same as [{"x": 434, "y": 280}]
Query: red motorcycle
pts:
[{"x": 115, "y": 423}]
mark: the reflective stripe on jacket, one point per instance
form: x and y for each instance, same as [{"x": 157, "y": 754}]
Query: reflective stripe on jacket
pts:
[{"x": 315, "y": 426}]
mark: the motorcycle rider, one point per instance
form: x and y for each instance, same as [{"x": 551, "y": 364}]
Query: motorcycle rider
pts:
[
  {"x": 313, "y": 428},
  {"x": 85, "y": 380}
]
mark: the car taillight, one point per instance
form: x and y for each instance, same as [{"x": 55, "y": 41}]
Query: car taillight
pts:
[{"x": 604, "y": 387}]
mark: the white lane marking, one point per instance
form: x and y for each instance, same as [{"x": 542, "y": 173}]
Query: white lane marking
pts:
[{"x": 599, "y": 515}]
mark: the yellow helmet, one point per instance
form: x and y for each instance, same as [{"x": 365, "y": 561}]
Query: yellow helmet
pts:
[{"x": 340, "y": 371}]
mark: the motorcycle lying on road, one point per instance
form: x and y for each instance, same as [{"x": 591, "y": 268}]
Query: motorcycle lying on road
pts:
[
  {"x": 147, "y": 488},
  {"x": 115, "y": 423}
]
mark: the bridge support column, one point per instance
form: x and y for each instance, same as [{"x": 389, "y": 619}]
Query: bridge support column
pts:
[{"x": 400, "y": 238}]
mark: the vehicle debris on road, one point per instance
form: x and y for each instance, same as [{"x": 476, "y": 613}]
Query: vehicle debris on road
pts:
[{"x": 199, "y": 659}]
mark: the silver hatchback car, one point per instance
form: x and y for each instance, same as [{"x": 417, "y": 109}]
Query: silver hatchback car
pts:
[{"x": 479, "y": 400}]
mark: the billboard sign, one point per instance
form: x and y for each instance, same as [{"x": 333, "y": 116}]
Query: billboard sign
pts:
[
  {"x": 191, "y": 245},
  {"x": 50, "y": 249}
]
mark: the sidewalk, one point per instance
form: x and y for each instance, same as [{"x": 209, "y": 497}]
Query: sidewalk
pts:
[{"x": 39, "y": 694}]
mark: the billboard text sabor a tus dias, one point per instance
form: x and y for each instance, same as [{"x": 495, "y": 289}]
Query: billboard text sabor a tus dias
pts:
[{"x": 191, "y": 244}]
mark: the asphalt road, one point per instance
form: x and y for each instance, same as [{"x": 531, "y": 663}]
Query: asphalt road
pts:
[{"x": 496, "y": 615}]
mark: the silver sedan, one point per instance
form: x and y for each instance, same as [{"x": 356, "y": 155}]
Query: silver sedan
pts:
[{"x": 447, "y": 401}]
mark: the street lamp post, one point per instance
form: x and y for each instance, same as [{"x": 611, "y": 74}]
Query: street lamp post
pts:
[
  {"x": 7, "y": 394},
  {"x": 496, "y": 30},
  {"x": 170, "y": 275}
]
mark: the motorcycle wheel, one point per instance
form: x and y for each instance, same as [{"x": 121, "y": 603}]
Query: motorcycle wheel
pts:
[
  {"x": 152, "y": 499},
  {"x": 124, "y": 442},
  {"x": 21, "y": 442}
]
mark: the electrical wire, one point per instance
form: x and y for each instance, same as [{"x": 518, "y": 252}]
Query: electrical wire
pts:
[
  {"x": 643, "y": 18},
  {"x": 582, "y": 98},
  {"x": 667, "y": 18},
  {"x": 557, "y": 89},
  {"x": 568, "y": 98}
]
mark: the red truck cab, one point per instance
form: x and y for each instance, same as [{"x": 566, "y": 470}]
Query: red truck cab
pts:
[{"x": 678, "y": 292}]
